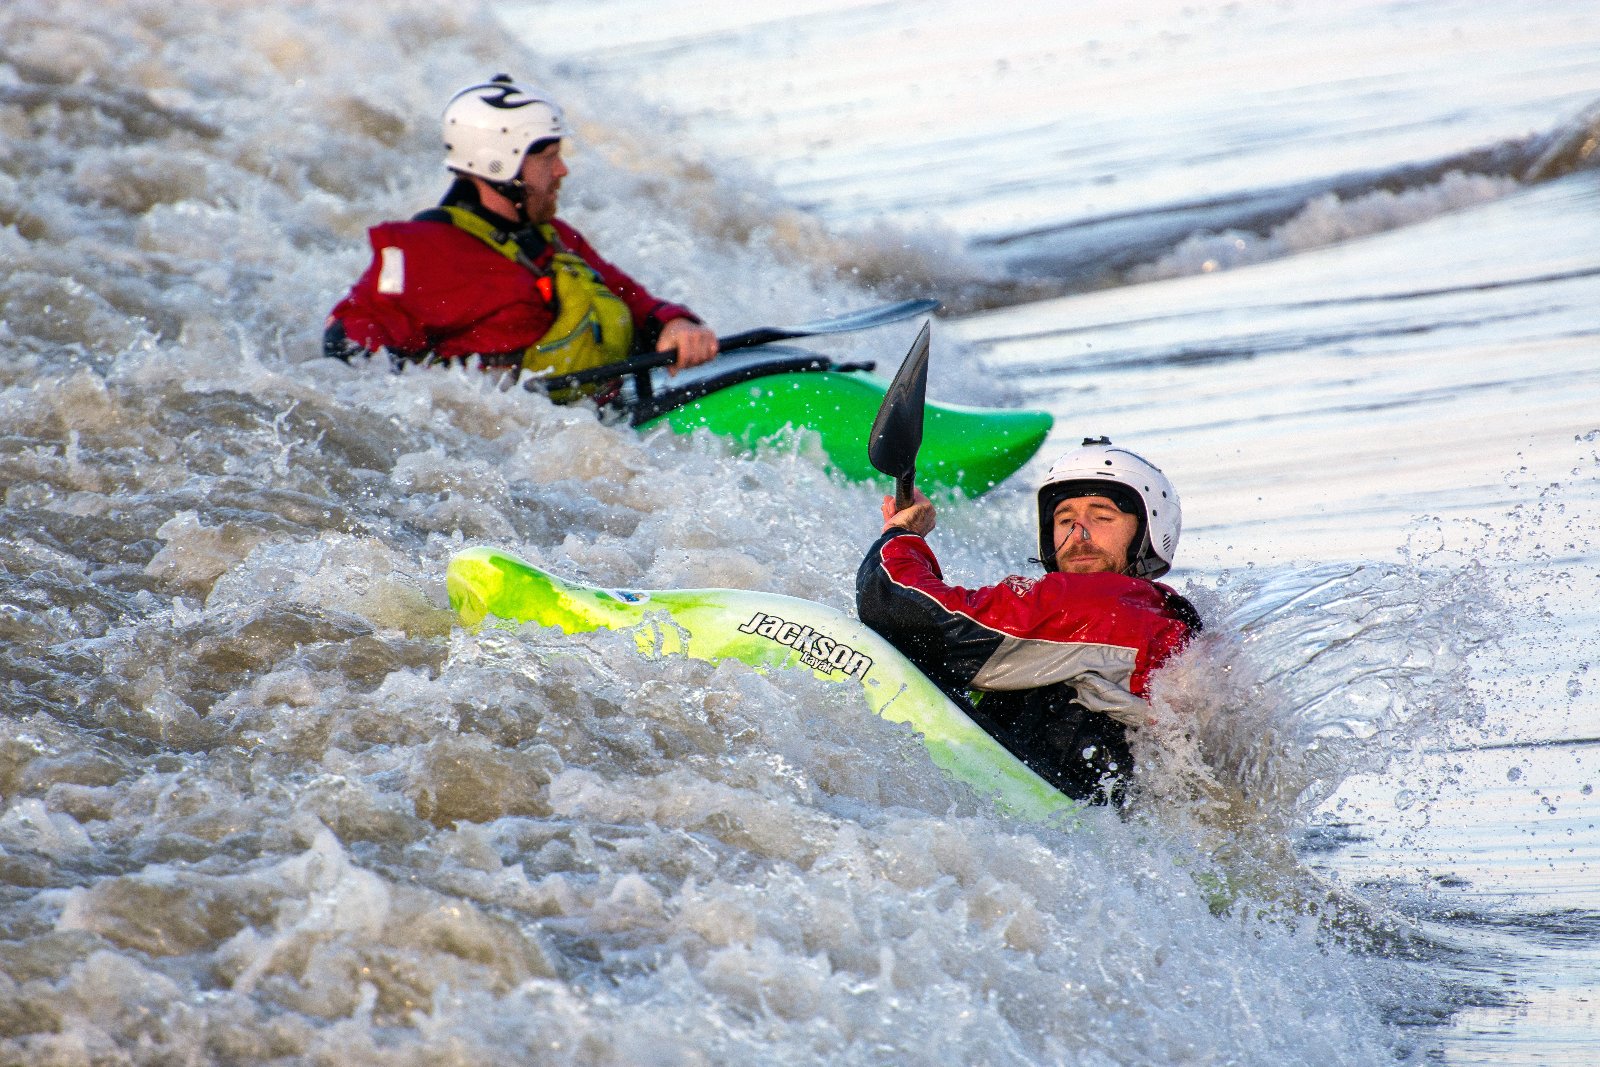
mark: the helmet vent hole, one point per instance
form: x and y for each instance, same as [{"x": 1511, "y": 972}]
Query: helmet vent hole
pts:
[{"x": 495, "y": 166}]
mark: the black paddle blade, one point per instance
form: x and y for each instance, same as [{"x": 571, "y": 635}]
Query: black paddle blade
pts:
[{"x": 897, "y": 431}]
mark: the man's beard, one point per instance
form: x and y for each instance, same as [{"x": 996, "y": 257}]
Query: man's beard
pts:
[{"x": 540, "y": 208}]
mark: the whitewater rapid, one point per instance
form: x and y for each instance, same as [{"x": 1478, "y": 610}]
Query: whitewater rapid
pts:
[{"x": 262, "y": 801}]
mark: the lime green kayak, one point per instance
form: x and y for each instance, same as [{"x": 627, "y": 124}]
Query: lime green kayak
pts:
[
  {"x": 766, "y": 631},
  {"x": 965, "y": 450}
]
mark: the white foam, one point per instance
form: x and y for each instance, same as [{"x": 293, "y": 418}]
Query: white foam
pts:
[{"x": 1327, "y": 220}]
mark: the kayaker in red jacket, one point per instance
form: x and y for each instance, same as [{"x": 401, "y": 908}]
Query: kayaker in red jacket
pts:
[
  {"x": 492, "y": 273},
  {"x": 1056, "y": 668}
]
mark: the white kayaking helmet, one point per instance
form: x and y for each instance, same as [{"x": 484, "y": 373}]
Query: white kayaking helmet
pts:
[
  {"x": 490, "y": 126},
  {"x": 1134, "y": 484}
]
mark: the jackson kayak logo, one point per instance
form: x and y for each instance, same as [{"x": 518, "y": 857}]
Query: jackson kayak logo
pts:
[{"x": 817, "y": 651}]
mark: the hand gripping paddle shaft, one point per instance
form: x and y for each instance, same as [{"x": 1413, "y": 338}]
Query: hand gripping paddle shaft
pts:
[{"x": 897, "y": 431}]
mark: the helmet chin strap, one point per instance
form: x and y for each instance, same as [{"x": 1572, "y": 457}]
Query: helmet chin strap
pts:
[{"x": 516, "y": 192}]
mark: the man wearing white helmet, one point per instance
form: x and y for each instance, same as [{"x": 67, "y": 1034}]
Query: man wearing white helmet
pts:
[
  {"x": 492, "y": 274},
  {"x": 1056, "y": 668}
]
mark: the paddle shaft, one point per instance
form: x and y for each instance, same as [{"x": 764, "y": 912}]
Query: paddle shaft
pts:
[
  {"x": 642, "y": 365},
  {"x": 904, "y": 484}
]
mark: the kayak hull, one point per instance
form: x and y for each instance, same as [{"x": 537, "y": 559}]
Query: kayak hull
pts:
[{"x": 766, "y": 631}]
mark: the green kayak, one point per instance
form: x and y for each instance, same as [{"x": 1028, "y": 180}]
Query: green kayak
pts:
[
  {"x": 773, "y": 393},
  {"x": 965, "y": 450}
]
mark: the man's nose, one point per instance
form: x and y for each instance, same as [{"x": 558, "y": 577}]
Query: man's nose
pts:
[{"x": 1083, "y": 531}]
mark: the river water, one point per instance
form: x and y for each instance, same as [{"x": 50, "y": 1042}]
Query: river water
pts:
[{"x": 1334, "y": 267}]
